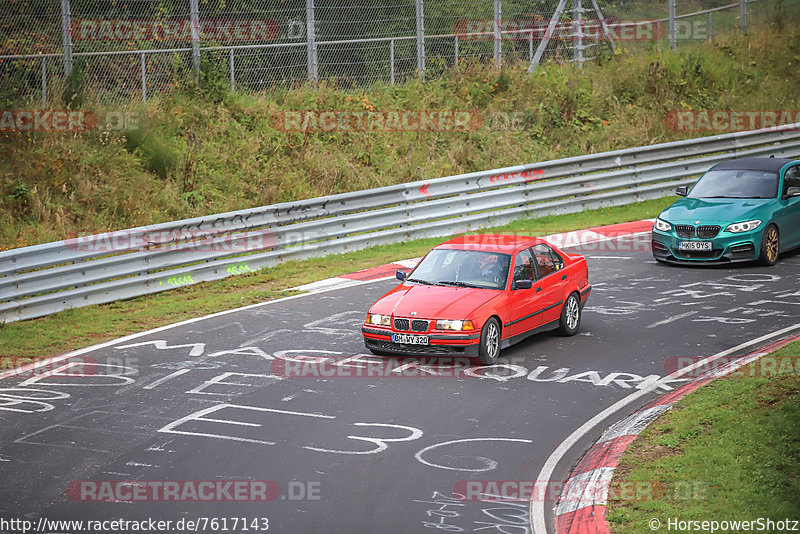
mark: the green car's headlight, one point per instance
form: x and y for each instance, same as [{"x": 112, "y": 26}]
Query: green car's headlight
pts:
[
  {"x": 747, "y": 226},
  {"x": 383, "y": 320},
  {"x": 663, "y": 226}
]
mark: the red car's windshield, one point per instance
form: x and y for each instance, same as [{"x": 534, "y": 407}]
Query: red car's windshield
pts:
[{"x": 463, "y": 268}]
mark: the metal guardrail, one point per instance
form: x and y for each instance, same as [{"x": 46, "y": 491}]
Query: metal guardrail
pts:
[{"x": 43, "y": 279}]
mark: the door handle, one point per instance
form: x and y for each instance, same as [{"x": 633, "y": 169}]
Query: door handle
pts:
[
  {"x": 538, "y": 289},
  {"x": 563, "y": 276}
]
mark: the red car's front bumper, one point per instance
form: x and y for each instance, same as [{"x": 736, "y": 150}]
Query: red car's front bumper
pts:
[{"x": 464, "y": 343}]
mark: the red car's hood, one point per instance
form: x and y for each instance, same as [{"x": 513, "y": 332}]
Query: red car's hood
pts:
[{"x": 433, "y": 302}]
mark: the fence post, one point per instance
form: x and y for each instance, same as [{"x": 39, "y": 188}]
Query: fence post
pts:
[
  {"x": 66, "y": 37},
  {"x": 498, "y": 26},
  {"x": 710, "y": 30},
  {"x": 144, "y": 77},
  {"x": 194, "y": 14},
  {"x": 420, "y": 38},
  {"x": 456, "y": 51},
  {"x": 391, "y": 61},
  {"x": 311, "y": 42},
  {"x": 548, "y": 34},
  {"x": 672, "y": 36},
  {"x": 233, "y": 70},
  {"x": 577, "y": 45},
  {"x": 530, "y": 51},
  {"x": 44, "y": 81},
  {"x": 743, "y": 14}
]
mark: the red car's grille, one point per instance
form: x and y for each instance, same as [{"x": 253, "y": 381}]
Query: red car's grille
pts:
[
  {"x": 401, "y": 324},
  {"x": 418, "y": 325}
]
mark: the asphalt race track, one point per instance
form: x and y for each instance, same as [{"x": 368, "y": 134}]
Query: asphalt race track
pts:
[{"x": 207, "y": 401}]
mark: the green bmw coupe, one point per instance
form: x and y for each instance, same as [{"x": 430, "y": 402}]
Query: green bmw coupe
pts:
[{"x": 740, "y": 210}]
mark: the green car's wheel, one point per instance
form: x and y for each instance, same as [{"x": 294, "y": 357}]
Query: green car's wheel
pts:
[{"x": 770, "y": 245}]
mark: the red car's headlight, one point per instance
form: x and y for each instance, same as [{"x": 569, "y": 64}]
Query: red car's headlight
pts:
[
  {"x": 375, "y": 318},
  {"x": 447, "y": 324}
]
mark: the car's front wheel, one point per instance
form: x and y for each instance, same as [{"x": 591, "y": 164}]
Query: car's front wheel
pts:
[
  {"x": 769, "y": 246},
  {"x": 570, "y": 316},
  {"x": 489, "y": 347}
]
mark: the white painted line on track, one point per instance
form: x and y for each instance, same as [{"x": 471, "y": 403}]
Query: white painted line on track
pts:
[
  {"x": 537, "y": 510},
  {"x": 673, "y": 318},
  {"x": 92, "y": 348}
]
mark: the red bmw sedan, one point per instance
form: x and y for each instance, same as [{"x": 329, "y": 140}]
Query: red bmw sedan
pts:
[{"x": 477, "y": 294}]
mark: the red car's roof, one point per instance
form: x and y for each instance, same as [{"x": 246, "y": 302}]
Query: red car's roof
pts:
[{"x": 490, "y": 242}]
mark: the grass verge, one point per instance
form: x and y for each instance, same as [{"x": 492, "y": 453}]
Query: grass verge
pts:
[
  {"x": 35, "y": 339},
  {"x": 729, "y": 451}
]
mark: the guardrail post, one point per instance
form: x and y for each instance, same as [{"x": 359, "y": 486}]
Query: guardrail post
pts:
[
  {"x": 194, "y": 14},
  {"x": 311, "y": 43},
  {"x": 233, "y": 69},
  {"x": 144, "y": 76},
  {"x": 498, "y": 36},
  {"x": 391, "y": 61},
  {"x": 672, "y": 35},
  {"x": 44, "y": 81},
  {"x": 420, "y": 38},
  {"x": 743, "y": 14},
  {"x": 66, "y": 37}
]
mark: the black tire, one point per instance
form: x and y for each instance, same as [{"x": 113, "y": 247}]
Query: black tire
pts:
[
  {"x": 571, "y": 312},
  {"x": 770, "y": 246},
  {"x": 489, "y": 346}
]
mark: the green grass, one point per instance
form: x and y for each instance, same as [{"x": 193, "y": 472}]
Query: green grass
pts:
[
  {"x": 204, "y": 150},
  {"x": 72, "y": 329},
  {"x": 734, "y": 442}
]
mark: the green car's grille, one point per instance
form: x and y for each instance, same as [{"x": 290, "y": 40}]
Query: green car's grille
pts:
[
  {"x": 707, "y": 232},
  {"x": 687, "y": 231}
]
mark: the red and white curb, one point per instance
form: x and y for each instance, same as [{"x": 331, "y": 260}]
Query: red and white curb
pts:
[
  {"x": 581, "y": 508},
  {"x": 576, "y": 238}
]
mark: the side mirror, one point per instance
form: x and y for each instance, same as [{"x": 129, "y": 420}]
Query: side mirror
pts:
[
  {"x": 793, "y": 192},
  {"x": 682, "y": 190},
  {"x": 400, "y": 275},
  {"x": 522, "y": 284}
]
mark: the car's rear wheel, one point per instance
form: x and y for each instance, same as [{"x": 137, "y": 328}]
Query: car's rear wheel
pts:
[
  {"x": 770, "y": 243},
  {"x": 489, "y": 347},
  {"x": 570, "y": 320}
]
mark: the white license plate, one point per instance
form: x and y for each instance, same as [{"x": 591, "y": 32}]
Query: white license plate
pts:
[
  {"x": 695, "y": 245},
  {"x": 409, "y": 339}
]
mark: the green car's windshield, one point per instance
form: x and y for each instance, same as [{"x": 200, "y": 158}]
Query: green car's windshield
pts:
[
  {"x": 463, "y": 268},
  {"x": 736, "y": 183}
]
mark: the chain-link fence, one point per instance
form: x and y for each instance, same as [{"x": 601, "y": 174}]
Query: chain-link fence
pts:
[{"x": 137, "y": 48}]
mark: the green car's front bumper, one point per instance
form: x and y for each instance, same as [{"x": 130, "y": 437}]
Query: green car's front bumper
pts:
[{"x": 726, "y": 247}]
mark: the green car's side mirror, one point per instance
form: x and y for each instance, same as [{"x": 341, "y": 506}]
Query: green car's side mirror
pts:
[{"x": 682, "y": 190}]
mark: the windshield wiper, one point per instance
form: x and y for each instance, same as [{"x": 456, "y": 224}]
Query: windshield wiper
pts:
[
  {"x": 420, "y": 281},
  {"x": 459, "y": 284}
]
